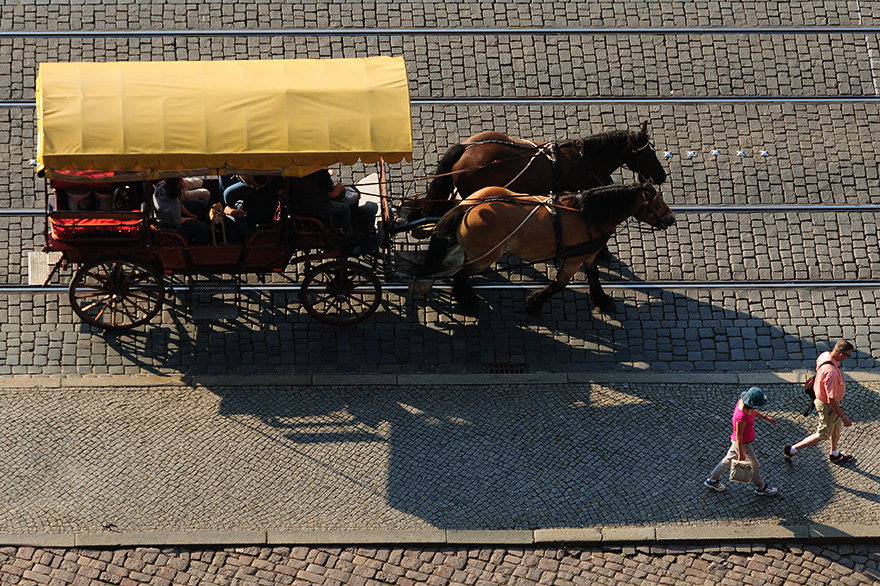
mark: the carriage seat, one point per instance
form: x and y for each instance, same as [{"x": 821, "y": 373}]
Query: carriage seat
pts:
[
  {"x": 82, "y": 197},
  {"x": 312, "y": 223}
]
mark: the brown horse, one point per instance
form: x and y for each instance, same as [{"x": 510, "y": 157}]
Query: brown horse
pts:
[
  {"x": 495, "y": 220},
  {"x": 493, "y": 158}
]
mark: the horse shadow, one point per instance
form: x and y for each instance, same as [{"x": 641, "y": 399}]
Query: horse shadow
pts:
[
  {"x": 515, "y": 456},
  {"x": 543, "y": 455}
]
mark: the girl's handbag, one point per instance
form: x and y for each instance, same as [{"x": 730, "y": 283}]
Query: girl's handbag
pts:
[{"x": 740, "y": 471}]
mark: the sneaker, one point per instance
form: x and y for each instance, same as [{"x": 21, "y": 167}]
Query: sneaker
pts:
[
  {"x": 716, "y": 485},
  {"x": 786, "y": 454},
  {"x": 765, "y": 490},
  {"x": 840, "y": 458}
]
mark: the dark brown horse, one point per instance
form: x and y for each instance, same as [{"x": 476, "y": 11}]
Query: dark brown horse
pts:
[
  {"x": 495, "y": 220},
  {"x": 523, "y": 166}
]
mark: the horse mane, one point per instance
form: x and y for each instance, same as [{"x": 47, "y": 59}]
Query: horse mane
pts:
[
  {"x": 605, "y": 203},
  {"x": 591, "y": 146}
]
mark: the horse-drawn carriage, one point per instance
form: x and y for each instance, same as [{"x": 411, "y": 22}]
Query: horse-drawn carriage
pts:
[{"x": 108, "y": 132}]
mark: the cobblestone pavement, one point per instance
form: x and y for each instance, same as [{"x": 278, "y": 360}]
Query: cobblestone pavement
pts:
[
  {"x": 816, "y": 153},
  {"x": 503, "y": 456},
  {"x": 726, "y": 564},
  {"x": 413, "y": 458}
]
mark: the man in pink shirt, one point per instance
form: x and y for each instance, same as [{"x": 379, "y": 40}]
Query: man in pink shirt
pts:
[{"x": 829, "y": 388}]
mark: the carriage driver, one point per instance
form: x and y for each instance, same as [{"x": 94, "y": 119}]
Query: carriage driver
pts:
[{"x": 318, "y": 192}]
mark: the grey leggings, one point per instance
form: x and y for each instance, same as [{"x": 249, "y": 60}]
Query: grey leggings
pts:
[{"x": 748, "y": 448}]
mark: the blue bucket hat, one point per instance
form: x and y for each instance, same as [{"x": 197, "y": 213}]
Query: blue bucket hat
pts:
[{"x": 754, "y": 398}]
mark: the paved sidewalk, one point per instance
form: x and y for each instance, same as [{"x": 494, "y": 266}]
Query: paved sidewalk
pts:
[{"x": 118, "y": 460}]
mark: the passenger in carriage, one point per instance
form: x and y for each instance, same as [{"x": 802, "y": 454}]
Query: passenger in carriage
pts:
[
  {"x": 318, "y": 193},
  {"x": 179, "y": 217},
  {"x": 191, "y": 189},
  {"x": 364, "y": 218},
  {"x": 252, "y": 203}
]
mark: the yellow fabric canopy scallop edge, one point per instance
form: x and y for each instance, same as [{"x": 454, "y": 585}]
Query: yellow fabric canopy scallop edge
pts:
[{"x": 292, "y": 116}]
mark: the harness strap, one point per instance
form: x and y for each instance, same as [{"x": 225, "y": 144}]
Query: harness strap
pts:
[
  {"x": 554, "y": 160},
  {"x": 588, "y": 247},
  {"x": 539, "y": 150},
  {"x": 557, "y": 228},
  {"x": 505, "y": 239},
  {"x": 562, "y": 252}
]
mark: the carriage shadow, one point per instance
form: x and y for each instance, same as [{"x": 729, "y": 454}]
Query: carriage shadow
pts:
[
  {"x": 511, "y": 456},
  {"x": 541, "y": 456}
]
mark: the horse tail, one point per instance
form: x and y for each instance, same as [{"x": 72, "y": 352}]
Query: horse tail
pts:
[
  {"x": 442, "y": 239},
  {"x": 436, "y": 201}
]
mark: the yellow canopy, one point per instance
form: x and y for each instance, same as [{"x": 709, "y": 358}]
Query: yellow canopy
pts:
[{"x": 175, "y": 118}]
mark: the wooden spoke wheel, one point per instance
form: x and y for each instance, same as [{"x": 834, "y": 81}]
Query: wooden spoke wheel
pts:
[
  {"x": 340, "y": 293},
  {"x": 116, "y": 293}
]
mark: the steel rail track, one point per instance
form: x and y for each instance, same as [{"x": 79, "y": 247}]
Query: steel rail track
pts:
[
  {"x": 447, "y": 32},
  {"x": 671, "y": 285},
  {"x": 695, "y": 209}
]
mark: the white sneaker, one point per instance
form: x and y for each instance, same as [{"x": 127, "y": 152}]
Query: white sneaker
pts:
[
  {"x": 766, "y": 490},
  {"x": 714, "y": 485}
]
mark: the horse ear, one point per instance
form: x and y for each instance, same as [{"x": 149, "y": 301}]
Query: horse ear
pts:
[{"x": 643, "y": 129}]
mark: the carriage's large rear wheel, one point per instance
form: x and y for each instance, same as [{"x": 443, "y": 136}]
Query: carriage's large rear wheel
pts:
[
  {"x": 116, "y": 293},
  {"x": 340, "y": 293}
]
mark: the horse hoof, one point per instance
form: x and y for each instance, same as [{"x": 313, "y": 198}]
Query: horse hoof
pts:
[{"x": 605, "y": 305}]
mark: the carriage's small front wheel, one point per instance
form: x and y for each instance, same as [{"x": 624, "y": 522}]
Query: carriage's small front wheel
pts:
[
  {"x": 116, "y": 293},
  {"x": 340, "y": 293}
]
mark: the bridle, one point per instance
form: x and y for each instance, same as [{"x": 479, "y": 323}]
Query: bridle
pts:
[
  {"x": 634, "y": 149},
  {"x": 649, "y": 212}
]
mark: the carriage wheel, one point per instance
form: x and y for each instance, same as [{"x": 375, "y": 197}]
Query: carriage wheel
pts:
[
  {"x": 116, "y": 293},
  {"x": 340, "y": 293}
]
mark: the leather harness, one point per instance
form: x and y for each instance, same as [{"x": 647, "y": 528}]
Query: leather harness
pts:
[{"x": 589, "y": 246}]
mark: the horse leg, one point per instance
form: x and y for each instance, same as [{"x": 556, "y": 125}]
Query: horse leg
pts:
[
  {"x": 563, "y": 276},
  {"x": 464, "y": 295},
  {"x": 598, "y": 297},
  {"x": 537, "y": 299},
  {"x": 604, "y": 254}
]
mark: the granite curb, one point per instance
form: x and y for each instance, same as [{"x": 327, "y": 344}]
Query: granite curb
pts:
[
  {"x": 275, "y": 380},
  {"x": 659, "y": 535}
]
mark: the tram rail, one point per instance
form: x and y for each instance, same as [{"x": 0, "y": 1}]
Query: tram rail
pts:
[
  {"x": 447, "y": 32},
  {"x": 670, "y": 285}
]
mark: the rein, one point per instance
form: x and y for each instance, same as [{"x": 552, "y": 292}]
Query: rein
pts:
[
  {"x": 562, "y": 252},
  {"x": 537, "y": 205},
  {"x": 540, "y": 149}
]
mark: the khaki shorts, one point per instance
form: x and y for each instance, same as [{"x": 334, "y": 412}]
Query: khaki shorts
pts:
[{"x": 828, "y": 420}]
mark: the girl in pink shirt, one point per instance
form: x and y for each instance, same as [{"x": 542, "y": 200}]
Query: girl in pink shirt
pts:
[{"x": 742, "y": 441}]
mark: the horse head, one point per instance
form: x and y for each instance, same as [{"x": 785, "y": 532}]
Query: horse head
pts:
[
  {"x": 653, "y": 210},
  {"x": 642, "y": 158}
]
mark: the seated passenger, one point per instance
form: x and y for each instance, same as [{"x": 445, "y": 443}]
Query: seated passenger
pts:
[
  {"x": 364, "y": 217},
  {"x": 191, "y": 190},
  {"x": 252, "y": 202},
  {"x": 181, "y": 218},
  {"x": 317, "y": 192}
]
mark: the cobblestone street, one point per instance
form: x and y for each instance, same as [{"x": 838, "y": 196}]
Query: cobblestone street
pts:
[
  {"x": 424, "y": 447},
  {"x": 724, "y": 564}
]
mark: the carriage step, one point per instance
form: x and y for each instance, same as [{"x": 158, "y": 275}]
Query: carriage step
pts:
[
  {"x": 204, "y": 312},
  {"x": 40, "y": 266}
]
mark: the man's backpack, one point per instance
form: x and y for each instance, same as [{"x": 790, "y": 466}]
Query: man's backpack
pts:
[{"x": 809, "y": 391}]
